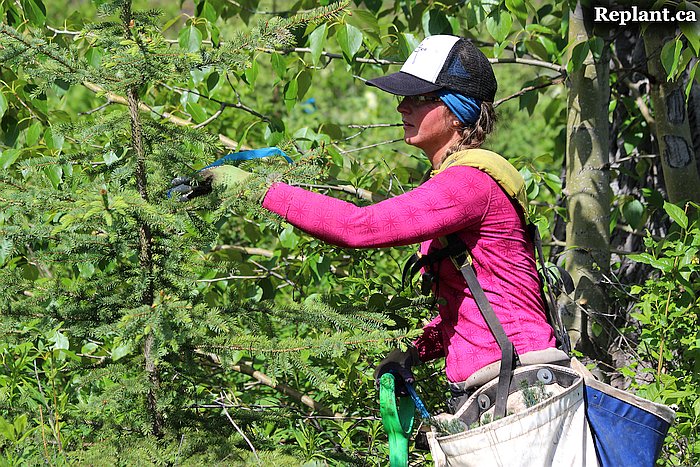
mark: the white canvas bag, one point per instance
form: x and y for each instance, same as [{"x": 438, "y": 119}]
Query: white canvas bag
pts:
[{"x": 553, "y": 432}]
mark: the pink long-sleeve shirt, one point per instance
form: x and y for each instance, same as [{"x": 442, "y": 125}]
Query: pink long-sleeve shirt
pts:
[{"x": 459, "y": 199}]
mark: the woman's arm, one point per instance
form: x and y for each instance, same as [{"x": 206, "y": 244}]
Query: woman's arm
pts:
[{"x": 452, "y": 200}]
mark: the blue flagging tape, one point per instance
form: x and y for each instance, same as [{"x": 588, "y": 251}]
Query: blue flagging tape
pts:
[
  {"x": 248, "y": 155},
  {"x": 417, "y": 401}
]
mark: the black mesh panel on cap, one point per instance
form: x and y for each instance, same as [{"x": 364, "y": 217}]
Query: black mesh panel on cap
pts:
[{"x": 468, "y": 71}]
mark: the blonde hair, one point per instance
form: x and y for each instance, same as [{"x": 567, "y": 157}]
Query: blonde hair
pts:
[{"x": 472, "y": 137}]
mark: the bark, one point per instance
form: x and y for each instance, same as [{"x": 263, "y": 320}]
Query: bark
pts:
[
  {"x": 588, "y": 193},
  {"x": 678, "y": 159}
]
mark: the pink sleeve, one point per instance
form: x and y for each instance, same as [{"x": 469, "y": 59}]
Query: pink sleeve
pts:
[
  {"x": 450, "y": 201},
  {"x": 429, "y": 345}
]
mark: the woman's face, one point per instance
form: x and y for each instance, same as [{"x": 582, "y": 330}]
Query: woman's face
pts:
[{"x": 425, "y": 126}]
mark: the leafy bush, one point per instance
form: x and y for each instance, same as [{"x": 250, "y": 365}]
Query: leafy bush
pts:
[{"x": 668, "y": 369}]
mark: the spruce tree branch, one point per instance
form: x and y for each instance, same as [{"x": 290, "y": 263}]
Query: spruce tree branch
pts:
[
  {"x": 40, "y": 48},
  {"x": 304, "y": 347},
  {"x": 117, "y": 99}
]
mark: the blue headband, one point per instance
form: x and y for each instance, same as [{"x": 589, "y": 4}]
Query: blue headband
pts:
[{"x": 466, "y": 109}]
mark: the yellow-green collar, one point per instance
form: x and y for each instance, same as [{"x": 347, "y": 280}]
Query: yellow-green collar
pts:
[{"x": 496, "y": 166}]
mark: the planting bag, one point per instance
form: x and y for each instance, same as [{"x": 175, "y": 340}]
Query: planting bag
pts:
[
  {"x": 554, "y": 431},
  {"x": 627, "y": 430}
]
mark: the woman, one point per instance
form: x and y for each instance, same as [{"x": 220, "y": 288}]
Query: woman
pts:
[{"x": 448, "y": 88}]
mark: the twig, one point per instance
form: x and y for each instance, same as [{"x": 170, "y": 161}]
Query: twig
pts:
[
  {"x": 219, "y": 279},
  {"x": 375, "y": 125},
  {"x": 527, "y": 89},
  {"x": 359, "y": 192},
  {"x": 252, "y": 448},
  {"x": 213, "y": 117},
  {"x": 391, "y": 141},
  {"x": 43, "y": 436}
]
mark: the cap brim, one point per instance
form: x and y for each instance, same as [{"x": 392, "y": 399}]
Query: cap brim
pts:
[{"x": 403, "y": 84}]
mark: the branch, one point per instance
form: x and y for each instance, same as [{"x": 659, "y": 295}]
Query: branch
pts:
[
  {"x": 371, "y": 146},
  {"x": 117, "y": 99},
  {"x": 359, "y": 192},
  {"x": 220, "y": 401},
  {"x": 267, "y": 381},
  {"x": 527, "y": 89},
  {"x": 522, "y": 61}
]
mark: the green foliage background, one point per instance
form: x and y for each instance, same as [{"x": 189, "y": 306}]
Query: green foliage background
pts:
[{"x": 138, "y": 330}]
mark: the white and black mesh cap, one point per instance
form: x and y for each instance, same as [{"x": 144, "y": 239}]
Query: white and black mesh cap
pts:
[{"x": 442, "y": 62}]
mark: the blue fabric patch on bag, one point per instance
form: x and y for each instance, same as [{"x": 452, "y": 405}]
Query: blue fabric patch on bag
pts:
[{"x": 623, "y": 433}]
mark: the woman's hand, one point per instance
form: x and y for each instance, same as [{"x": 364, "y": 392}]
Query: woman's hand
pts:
[
  {"x": 209, "y": 179},
  {"x": 399, "y": 363}
]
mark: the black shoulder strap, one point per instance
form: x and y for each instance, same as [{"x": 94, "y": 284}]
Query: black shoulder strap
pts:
[{"x": 463, "y": 262}]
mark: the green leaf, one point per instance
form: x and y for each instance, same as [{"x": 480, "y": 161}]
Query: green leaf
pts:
[
  {"x": 88, "y": 348},
  {"x": 691, "y": 80},
  {"x": 212, "y": 80},
  {"x": 290, "y": 93},
  {"x": 537, "y": 49},
  {"x": 190, "y": 38},
  {"x": 207, "y": 11},
  {"x": 60, "y": 341},
  {"x": 53, "y": 139},
  {"x": 498, "y": 24},
  {"x": 366, "y": 22},
  {"x": 33, "y": 134},
  {"x": 691, "y": 29},
  {"x": 251, "y": 73},
  {"x": 3, "y": 104},
  {"x": 677, "y": 214},
  {"x": 634, "y": 213},
  {"x": 288, "y": 239},
  {"x": 350, "y": 40},
  {"x": 7, "y": 430},
  {"x": 304, "y": 83},
  {"x": 407, "y": 43},
  {"x": 35, "y": 11},
  {"x": 578, "y": 56},
  {"x": 518, "y": 8},
  {"x": 110, "y": 157},
  {"x": 434, "y": 21},
  {"x": 317, "y": 41},
  {"x": 196, "y": 111},
  {"x": 670, "y": 55},
  {"x": 8, "y": 157},
  {"x": 279, "y": 64},
  {"x": 55, "y": 174},
  {"x": 121, "y": 351}
]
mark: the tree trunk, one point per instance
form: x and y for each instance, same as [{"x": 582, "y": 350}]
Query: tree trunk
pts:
[
  {"x": 145, "y": 240},
  {"x": 672, "y": 129},
  {"x": 588, "y": 193}
]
